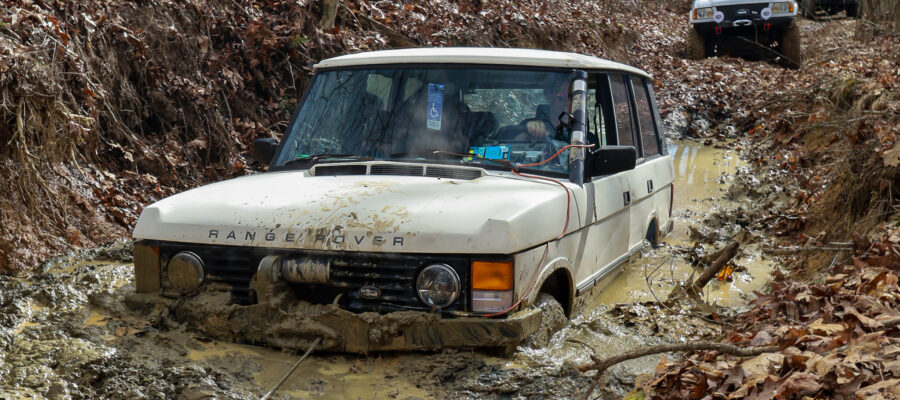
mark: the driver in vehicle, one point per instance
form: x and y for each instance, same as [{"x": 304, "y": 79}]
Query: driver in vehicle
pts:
[{"x": 546, "y": 118}]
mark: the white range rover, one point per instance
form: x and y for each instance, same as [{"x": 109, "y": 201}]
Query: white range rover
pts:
[{"x": 420, "y": 199}]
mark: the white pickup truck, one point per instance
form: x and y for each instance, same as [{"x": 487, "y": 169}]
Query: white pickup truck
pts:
[{"x": 420, "y": 199}]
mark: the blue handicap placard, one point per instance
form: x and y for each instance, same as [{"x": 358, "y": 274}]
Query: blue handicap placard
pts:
[{"x": 435, "y": 103}]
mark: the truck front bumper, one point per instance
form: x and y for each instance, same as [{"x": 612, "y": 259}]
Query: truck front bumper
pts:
[
  {"x": 746, "y": 26},
  {"x": 340, "y": 330}
]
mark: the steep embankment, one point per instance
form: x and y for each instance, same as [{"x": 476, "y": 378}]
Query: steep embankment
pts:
[{"x": 106, "y": 106}]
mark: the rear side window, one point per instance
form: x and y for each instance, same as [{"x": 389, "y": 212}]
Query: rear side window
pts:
[
  {"x": 645, "y": 118},
  {"x": 622, "y": 109}
]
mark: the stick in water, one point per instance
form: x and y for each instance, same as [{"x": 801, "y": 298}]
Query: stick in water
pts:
[{"x": 297, "y": 364}]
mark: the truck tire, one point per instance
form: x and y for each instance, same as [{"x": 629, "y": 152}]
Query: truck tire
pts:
[
  {"x": 696, "y": 45},
  {"x": 553, "y": 318},
  {"x": 790, "y": 47}
]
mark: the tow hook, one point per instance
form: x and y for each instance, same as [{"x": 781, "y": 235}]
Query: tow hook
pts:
[
  {"x": 718, "y": 30},
  {"x": 767, "y": 26}
]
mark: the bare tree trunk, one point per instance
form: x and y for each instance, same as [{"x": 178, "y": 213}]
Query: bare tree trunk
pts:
[
  {"x": 329, "y": 13},
  {"x": 879, "y": 17}
]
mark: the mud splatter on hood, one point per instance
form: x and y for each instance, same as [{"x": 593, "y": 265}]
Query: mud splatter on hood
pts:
[{"x": 491, "y": 214}]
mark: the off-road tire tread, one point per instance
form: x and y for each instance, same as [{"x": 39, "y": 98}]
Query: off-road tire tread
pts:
[
  {"x": 696, "y": 45},
  {"x": 790, "y": 46},
  {"x": 552, "y": 313}
]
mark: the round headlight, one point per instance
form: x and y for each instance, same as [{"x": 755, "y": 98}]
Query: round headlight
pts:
[
  {"x": 438, "y": 285},
  {"x": 185, "y": 272}
]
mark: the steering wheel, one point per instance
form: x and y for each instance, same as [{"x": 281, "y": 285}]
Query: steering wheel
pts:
[{"x": 550, "y": 128}]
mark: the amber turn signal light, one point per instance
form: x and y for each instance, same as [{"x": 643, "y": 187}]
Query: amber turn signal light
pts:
[{"x": 492, "y": 275}]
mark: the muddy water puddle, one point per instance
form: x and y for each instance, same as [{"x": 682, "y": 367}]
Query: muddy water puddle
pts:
[
  {"x": 65, "y": 332},
  {"x": 703, "y": 177}
]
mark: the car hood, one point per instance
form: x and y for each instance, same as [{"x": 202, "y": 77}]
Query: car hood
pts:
[{"x": 493, "y": 214}]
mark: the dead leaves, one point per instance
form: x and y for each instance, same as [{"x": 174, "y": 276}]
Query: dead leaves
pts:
[{"x": 833, "y": 338}]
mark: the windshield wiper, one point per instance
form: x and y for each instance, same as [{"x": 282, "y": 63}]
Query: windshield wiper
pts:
[{"x": 309, "y": 160}]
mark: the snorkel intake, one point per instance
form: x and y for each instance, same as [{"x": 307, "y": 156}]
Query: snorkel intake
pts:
[{"x": 579, "y": 104}]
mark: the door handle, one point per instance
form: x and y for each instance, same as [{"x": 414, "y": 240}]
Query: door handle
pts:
[
  {"x": 650, "y": 186},
  {"x": 627, "y": 197}
]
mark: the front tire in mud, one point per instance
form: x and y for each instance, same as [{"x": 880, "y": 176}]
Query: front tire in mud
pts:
[
  {"x": 790, "y": 48},
  {"x": 696, "y": 45},
  {"x": 553, "y": 318}
]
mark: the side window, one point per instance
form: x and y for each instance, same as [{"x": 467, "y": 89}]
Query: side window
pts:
[
  {"x": 596, "y": 123},
  {"x": 645, "y": 117},
  {"x": 622, "y": 108}
]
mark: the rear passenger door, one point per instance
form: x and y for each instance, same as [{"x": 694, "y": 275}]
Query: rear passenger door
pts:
[{"x": 648, "y": 180}]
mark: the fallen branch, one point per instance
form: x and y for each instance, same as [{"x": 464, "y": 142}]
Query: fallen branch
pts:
[
  {"x": 397, "y": 39},
  {"x": 798, "y": 249},
  {"x": 890, "y": 323},
  {"x": 710, "y": 272},
  {"x": 602, "y": 365}
]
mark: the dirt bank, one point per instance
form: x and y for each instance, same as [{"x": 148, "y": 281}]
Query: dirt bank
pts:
[{"x": 108, "y": 106}]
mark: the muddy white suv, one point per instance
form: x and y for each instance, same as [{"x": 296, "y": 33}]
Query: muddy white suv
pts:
[
  {"x": 421, "y": 198},
  {"x": 745, "y": 27}
]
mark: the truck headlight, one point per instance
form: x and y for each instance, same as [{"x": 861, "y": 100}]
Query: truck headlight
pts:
[
  {"x": 438, "y": 285},
  {"x": 492, "y": 286},
  {"x": 703, "y": 13},
  {"x": 782, "y": 7},
  {"x": 185, "y": 272}
]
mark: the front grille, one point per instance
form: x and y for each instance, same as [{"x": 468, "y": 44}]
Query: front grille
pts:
[
  {"x": 395, "y": 277},
  {"x": 731, "y": 12},
  {"x": 230, "y": 265},
  {"x": 393, "y": 274}
]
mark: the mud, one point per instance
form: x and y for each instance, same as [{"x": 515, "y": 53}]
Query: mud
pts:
[{"x": 74, "y": 328}]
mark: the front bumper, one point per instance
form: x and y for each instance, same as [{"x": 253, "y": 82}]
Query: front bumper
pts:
[
  {"x": 754, "y": 24},
  {"x": 296, "y": 326}
]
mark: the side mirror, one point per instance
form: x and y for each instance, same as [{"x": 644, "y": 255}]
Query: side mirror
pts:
[
  {"x": 264, "y": 149},
  {"x": 609, "y": 160}
]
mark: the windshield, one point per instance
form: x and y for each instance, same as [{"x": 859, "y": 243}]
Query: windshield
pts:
[{"x": 446, "y": 115}]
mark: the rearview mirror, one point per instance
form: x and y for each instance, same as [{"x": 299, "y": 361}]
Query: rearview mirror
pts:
[
  {"x": 609, "y": 160},
  {"x": 264, "y": 149}
]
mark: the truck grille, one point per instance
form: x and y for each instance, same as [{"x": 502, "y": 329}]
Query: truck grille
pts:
[
  {"x": 395, "y": 278},
  {"x": 732, "y": 12},
  {"x": 393, "y": 275}
]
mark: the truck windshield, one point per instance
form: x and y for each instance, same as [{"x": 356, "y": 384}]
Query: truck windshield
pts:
[{"x": 444, "y": 115}]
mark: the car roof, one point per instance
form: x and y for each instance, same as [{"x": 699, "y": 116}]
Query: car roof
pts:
[{"x": 478, "y": 55}]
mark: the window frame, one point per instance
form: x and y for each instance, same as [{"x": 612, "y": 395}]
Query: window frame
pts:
[{"x": 653, "y": 115}]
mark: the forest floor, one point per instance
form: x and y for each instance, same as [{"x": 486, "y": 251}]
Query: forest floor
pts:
[{"x": 800, "y": 166}]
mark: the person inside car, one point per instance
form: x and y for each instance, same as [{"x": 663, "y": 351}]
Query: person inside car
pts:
[{"x": 546, "y": 121}]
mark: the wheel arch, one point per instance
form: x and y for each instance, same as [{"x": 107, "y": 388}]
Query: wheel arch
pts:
[
  {"x": 557, "y": 281},
  {"x": 652, "y": 226}
]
